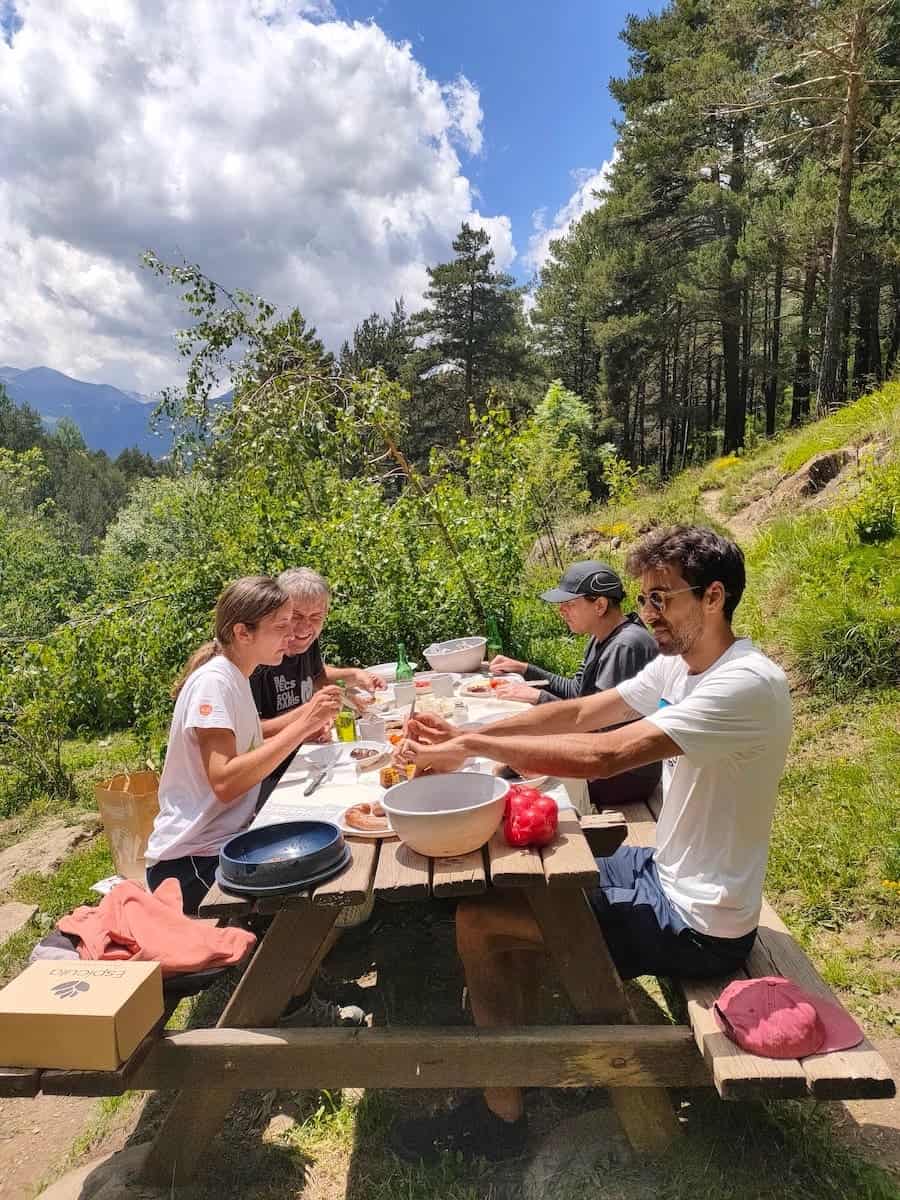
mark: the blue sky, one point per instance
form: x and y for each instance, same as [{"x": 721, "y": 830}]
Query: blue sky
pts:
[
  {"x": 292, "y": 148},
  {"x": 542, "y": 71}
]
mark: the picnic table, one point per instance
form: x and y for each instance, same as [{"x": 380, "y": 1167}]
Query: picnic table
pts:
[{"x": 246, "y": 1049}]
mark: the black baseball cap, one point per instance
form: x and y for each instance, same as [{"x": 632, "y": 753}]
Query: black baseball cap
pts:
[{"x": 586, "y": 579}]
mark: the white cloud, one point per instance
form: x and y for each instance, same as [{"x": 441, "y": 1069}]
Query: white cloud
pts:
[
  {"x": 304, "y": 158},
  {"x": 588, "y": 183}
]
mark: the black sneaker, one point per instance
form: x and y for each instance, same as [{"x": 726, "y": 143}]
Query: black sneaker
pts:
[{"x": 470, "y": 1129}]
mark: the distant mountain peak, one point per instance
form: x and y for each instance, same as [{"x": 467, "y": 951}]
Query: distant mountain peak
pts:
[{"x": 109, "y": 418}]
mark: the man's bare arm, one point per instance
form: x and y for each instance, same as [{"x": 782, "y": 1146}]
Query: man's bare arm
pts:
[
  {"x": 584, "y": 715},
  {"x": 573, "y": 756}
]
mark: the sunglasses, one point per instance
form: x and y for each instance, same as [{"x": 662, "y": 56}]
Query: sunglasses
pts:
[{"x": 659, "y": 597}]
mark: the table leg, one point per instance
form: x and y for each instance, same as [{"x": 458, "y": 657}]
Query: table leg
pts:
[
  {"x": 576, "y": 943},
  {"x": 297, "y": 940}
]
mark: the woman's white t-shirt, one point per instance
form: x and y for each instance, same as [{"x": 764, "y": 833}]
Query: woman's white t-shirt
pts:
[
  {"x": 733, "y": 725},
  {"x": 191, "y": 820}
]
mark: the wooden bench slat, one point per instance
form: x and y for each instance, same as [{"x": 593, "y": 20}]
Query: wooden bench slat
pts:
[
  {"x": 463, "y": 875},
  {"x": 401, "y": 873},
  {"x": 513, "y": 866},
  {"x": 855, "y": 1074},
  {"x": 19, "y": 1082},
  {"x": 736, "y": 1074},
  {"x": 101, "y": 1083},
  {"x": 568, "y": 861},
  {"x": 353, "y": 885}
]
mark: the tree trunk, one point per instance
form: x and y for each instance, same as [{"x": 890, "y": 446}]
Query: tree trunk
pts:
[
  {"x": 828, "y": 395},
  {"x": 867, "y": 350},
  {"x": 843, "y": 389},
  {"x": 772, "y": 389},
  {"x": 893, "y": 349},
  {"x": 731, "y": 307},
  {"x": 802, "y": 367}
]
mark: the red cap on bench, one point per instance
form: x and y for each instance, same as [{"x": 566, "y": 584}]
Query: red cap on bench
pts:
[{"x": 774, "y": 1017}]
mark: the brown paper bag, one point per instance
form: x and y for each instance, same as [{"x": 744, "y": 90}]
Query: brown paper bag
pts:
[{"x": 128, "y": 806}]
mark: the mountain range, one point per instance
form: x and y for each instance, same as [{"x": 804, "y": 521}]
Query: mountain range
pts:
[{"x": 109, "y": 419}]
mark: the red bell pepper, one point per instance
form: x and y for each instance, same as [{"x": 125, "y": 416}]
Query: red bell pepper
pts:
[{"x": 531, "y": 817}]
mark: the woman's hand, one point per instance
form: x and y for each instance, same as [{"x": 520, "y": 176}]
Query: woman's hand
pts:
[
  {"x": 321, "y": 708},
  {"x": 500, "y": 664},
  {"x": 441, "y": 758},
  {"x": 359, "y": 677},
  {"x": 430, "y": 729},
  {"x": 516, "y": 691}
]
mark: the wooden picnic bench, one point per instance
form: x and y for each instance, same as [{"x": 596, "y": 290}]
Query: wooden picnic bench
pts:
[
  {"x": 607, "y": 1048},
  {"x": 858, "y": 1073}
]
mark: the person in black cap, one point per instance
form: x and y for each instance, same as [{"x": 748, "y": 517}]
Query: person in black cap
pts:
[{"x": 590, "y": 596}]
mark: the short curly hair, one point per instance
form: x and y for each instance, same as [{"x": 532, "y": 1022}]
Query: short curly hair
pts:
[{"x": 700, "y": 555}]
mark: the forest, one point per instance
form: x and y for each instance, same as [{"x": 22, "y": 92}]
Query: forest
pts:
[{"x": 738, "y": 278}]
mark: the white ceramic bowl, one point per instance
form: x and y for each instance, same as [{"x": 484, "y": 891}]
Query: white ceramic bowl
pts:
[
  {"x": 461, "y": 654},
  {"x": 445, "y": 815},
  {"x": 387, "y": 671}
]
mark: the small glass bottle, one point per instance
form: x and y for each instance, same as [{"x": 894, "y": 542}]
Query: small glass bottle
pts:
[
  {"x": 494, "y": 642},
  {"x": 345, "y": 721},
  {"x": 404, "y": 670}
]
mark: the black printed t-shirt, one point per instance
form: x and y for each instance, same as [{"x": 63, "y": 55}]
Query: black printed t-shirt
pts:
[{"x": 277, "y": 690}]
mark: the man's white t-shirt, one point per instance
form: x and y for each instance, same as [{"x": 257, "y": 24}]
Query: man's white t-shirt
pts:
[
  {"x": 733, "y": 724},
  {"x": 191, "y": 820}
]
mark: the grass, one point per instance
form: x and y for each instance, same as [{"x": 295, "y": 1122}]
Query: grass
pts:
[
  {"x": 54, "y": 895},
  {"x": 87, "y": 762},
  {"x": 783, "y": 1151}
]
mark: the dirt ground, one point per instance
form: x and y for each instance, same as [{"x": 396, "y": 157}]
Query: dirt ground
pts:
[{"x": 402, "y": 968}]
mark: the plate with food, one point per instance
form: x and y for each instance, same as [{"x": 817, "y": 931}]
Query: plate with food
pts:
[
  {"x": 485, "y": 688},
  {"x": 367, "y": 819},
  {"x": 364, "y": 755}
]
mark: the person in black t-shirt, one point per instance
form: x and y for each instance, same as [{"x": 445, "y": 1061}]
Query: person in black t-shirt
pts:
[
  {"x": 590, "y": 597},
  {"x": 302, "y": 687}
]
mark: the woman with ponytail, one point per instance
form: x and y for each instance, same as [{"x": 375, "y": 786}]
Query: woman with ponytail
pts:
[{"x": 216, "y": 755}]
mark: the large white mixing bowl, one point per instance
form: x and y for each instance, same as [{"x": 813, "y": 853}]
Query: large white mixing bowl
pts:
[
  {"x": 460, "y": 654},
  {"x": 445, "y": 815}
]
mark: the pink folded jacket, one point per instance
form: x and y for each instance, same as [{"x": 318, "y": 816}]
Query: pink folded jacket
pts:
[{"x": 130, "y": 923}]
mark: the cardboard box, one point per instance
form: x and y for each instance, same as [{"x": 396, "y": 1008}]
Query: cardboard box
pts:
[{"x": 87, "y": 1016}]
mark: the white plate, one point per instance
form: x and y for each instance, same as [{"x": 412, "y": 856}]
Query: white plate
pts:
[
  {"x": 363, "y": 833},
  {"x": 333, "y": 754},
  {"x": 478, "y": 689}
]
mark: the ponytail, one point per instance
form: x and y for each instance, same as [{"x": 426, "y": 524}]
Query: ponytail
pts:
[
  {"x": 199, "y": 658},
  {"x": 244, "y": 602}
]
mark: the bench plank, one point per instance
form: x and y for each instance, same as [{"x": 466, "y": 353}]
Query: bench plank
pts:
[
  {"x": 856, "y": 1074},
  {"x": 568, "y": 862},
  {"x": 463, "y": 875},
  {"x": 633, "y": 1058},
  {"x": 19, "y": 1082},
  {"x": 401, "y": 873},
  {"x": 513, "y": 866},
  {"x": 102, "y": 1083},
  {"x": 736, "y": 1074}
]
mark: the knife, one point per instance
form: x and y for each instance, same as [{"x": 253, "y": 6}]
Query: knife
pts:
[{"x": 311, "y": 787}]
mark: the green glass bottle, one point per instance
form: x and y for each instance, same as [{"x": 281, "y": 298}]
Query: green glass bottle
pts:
[
  {"x": 494, "y": 642},
  {"x": 404, "y": 672}
]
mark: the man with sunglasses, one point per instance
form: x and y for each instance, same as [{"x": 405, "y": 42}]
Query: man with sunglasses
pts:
[
  {"x": 589, "y": 597},
  {"x": 717, "y": 712}
]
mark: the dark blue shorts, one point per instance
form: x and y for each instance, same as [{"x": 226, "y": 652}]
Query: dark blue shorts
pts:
[
  {"x": 196, "y": 873},
  {"x": 645, "y": 935}
]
